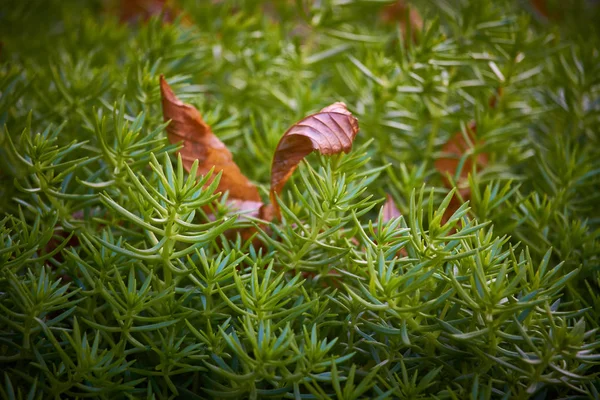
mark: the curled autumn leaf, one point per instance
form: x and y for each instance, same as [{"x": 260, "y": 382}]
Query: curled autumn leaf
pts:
[
  {"x": 200, "y": 143},
  {"x": 330, "y": 131}
]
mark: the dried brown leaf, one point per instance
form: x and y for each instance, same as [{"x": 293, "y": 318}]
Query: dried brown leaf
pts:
[
  {"x": 548, "y": 9},
  {"x": 400, "y": 12},
  {"x": 131, "y": 11},
  {"x": 330, "y": 131},
  {"x": 448, "y": 164},
  {"x": 453, "y": 206},
  {"x": 453, "y": 151},
  {"x": 390, "y": 210},
  {"x": 200, "y": 143},
  {"x": 252, "y": 209}
]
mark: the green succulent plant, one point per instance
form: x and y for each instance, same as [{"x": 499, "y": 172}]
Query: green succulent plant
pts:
[{"x": 119, "y": 277}]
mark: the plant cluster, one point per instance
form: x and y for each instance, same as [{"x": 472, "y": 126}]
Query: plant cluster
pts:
[{"x": 123, "y": 275}]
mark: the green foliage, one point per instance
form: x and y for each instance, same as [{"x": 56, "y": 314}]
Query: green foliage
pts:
[{"x": 117, "y": 279}]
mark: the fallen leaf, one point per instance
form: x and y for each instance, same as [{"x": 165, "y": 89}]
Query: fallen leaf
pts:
[
  {"x": 453, "y": 206},
  {"x": 390, "y": 210},
  {"x": 330, "y": 131},
  {"x": 549, "y": 11},
  {"x": 250, "y": 209},
  {"x": 402, "y": 13},
  {"x": 452, "y": 151},
  {"x": 200, "y": 143},
  {"x": 131, "y": 11},
  {"x": 448, "y": 164},
  {"x": 245, "y": 208}
]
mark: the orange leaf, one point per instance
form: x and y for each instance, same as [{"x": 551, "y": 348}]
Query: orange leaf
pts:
[
  {"x": 200, "y": 143},
  {"x": 330, "y": 131}
]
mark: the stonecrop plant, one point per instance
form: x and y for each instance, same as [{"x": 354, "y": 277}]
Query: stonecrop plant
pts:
[{"x": 179, "y": 220}]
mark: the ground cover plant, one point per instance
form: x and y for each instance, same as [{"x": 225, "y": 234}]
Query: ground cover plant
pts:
[{"x": 439, "y": 237}]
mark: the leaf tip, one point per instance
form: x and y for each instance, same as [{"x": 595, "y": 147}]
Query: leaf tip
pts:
[{"x": 390, "y": 210}]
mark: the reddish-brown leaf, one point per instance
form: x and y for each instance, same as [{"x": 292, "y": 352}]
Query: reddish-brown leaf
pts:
[
  {"x": 448, "y": 164},
  {"x": 453, "y": 150},
  {"x": 200, "y": 143},
  {"x": 390, "y": 210},
  {"x": 330, "y": 131},
  {"x": 402, "y": 13},
  {"x": 253, "y": 209},
  {"x": 140, "y": 10},
  {"x": 548, "y": 9},
  {"x": 454, "y": 205}
]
